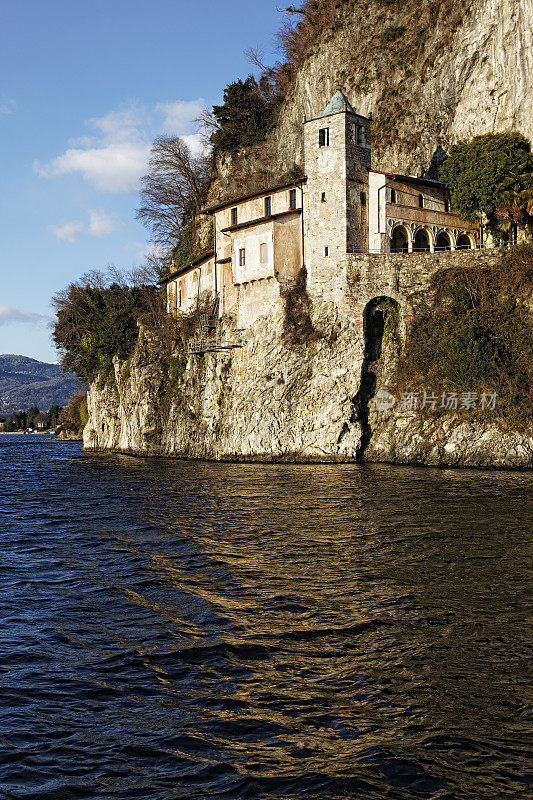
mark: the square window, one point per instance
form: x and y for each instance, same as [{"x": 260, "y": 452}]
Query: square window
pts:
[
  {"x": 323, "y": 137},
  {"x": 242, "y": 257},
  {"x": 234, "y": 216},
  {"x": 292, "y": 199}
]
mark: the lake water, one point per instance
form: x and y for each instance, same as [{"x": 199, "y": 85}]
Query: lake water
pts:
[{"x": 176, "y": 629}]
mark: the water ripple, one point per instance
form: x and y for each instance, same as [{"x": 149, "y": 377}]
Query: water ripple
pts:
[{"x": 191, "y": 630}]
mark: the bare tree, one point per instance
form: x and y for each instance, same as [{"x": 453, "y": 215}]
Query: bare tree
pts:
[{"x": 172, "y": 191}]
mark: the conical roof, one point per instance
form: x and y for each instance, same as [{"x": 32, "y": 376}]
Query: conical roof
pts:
[{"x": 339, "y": 102}]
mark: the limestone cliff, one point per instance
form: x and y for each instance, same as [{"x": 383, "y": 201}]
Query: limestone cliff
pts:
[
  {"x": 272, "y": 402},
  {"x": 285, "y": 396},
  {"x": 430, "y": 73}
]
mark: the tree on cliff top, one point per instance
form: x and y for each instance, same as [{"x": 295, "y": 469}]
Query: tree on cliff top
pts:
[
  {"x": 97, "y": 320},
  {"x": 172, "y": 192},
  {"x": 246, "y": 115},
  {"x": 492, "y": 174}
]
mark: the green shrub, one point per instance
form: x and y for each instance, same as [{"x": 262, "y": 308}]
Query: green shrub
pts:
[
  {"x": 476, "y": 334},
  {"x": 391, "y": 318},
  {"x": 247, "y": 114},
  {"x": 96, "y": 322},
  {"x": 393, "y": 33},
  {"x": 297, "y": 325}
]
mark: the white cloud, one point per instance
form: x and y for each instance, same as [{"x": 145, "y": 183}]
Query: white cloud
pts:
[
  {"x": 101, "y": 224},
  {"x": 7, "y": 107},
  {"x": 70, "y": 231},
  {"x": 10, "y": 315},
  {"x": 115, "y": 167},
  {"x": 196, "y": 143},
  {"x": 116, "y": 156},
  {"x": 181, "y": 117}
]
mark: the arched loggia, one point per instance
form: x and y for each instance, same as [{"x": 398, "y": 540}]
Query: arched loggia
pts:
[
  {"x": 443, "y": 241},
  {"x": 463, "y": 242},
  {"x": 399, "y": 240},
  {"x": 421, "y": 241}
]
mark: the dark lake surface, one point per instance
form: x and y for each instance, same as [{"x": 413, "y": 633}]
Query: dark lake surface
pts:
[{"x": 188, "y": 630}]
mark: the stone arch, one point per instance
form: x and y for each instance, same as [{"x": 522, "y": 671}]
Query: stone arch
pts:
[
  {"x": 464, "y": 242},
  {"x": 443, "y": 241},
  {"x": 400, "y": 239},
  {"x": 375, "y": 315},
  {"x": 422, "y": 240}
]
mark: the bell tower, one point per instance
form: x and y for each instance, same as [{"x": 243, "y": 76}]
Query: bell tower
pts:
[{"x": 337, "y": 162}]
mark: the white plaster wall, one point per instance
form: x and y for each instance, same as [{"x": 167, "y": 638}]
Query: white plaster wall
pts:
[
  {"x": 251, "y": 241},
  {"x": 258, "y": 299},
  {"x": 376, "y": 211}
]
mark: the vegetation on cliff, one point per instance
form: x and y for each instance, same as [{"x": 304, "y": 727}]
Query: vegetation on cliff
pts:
[
  {"x": 97, "y": 319},
  {"x": 492, "y": 175},
  {"x": 171, "y": 196},
  {"x": 476, "y": 335}
]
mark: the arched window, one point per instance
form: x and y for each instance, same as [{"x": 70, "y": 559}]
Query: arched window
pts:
[
  {"x": 399, "y": 240},
  {"x": 393, "y": 197},
  {"x": 180, "y": 294},
  {"x": 463, "y": 242},
  {"x": 421, "y": 241},
  {"x": 443, "y": 242}
]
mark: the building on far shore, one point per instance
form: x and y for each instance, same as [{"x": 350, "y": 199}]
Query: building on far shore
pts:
[{"x": 340, "y": 207}]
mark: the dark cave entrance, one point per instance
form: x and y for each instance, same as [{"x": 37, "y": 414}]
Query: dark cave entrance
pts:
[{"x": 380, "y": 316}]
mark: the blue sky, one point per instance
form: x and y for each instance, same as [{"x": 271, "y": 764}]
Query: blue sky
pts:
[{"x": 84, "y": 89}]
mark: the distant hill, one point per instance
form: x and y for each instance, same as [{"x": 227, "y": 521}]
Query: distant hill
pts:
[{"x": 25, "y": 382}]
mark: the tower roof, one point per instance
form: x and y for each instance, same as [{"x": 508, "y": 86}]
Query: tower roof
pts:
[{"x": 339, "y": 102}]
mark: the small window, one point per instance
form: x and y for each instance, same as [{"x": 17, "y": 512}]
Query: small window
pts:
[
  {"x": 323, "y": 137},
  {"x": 292, "y": 199},
  {"x": 263, "y": 253},
  {"x": 420, "y": 201},
  {"x": 393, "y": 197},
  {"x": 242, "y": 257},
  {"x": 360, "y": 136},
  {"x": 268, "y": 206},
  {"x": 234, "y": 216},
  {"x": 446, "y": 205},
  {"x": 362, "y": 197},
  {"x": 323, "y": 197},
  {"x": 326, "y": 251}
]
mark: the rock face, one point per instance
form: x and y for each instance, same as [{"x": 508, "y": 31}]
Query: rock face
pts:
[
  {"x": 459, "y": 69},
  {"x": 286, "y": 396},
  {"x": 466, "y": 70},
  {"x": 268, "y": 400}
]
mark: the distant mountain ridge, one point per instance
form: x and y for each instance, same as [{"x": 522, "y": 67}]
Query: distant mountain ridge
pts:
[{"x": 26, "y": 382}]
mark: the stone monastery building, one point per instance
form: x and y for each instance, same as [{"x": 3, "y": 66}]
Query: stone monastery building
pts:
[{"x": 342, "y": 206}]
